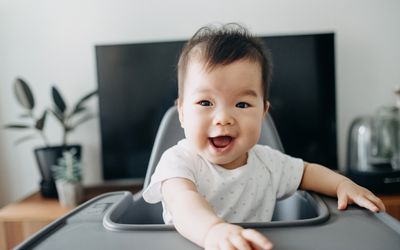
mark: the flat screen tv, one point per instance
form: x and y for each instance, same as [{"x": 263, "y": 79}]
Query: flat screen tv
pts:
[{"x": 138, "y": 83}]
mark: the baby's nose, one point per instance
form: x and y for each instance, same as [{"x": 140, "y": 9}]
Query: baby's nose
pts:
[{"x": 223, "y": 118}]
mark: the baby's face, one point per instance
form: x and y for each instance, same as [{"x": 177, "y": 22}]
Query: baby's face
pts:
[{"x": 222, "y": 110}]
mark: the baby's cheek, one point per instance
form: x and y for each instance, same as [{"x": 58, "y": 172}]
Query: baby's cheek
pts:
[
  {"x": 253, "y": 129},
  {"x": 197, "y": 135}
]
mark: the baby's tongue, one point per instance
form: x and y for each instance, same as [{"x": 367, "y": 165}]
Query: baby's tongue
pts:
[{"x": 221, "y": 141}]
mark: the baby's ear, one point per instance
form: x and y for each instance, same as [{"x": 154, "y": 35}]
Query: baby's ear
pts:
[
  {"x": 180, "y": 111},
  {"x": 266, "y": 107}
]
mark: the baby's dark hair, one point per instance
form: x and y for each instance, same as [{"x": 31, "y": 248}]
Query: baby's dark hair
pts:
[{"x": 222, "y": 46}]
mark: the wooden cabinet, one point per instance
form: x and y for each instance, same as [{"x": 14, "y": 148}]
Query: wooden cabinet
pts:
[
  {"x": 392, "y": 204},
  {"x": 21, "y": 219}
]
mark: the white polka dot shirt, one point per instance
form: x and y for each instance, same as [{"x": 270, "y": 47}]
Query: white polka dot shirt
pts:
[{"x": 244, "y": 194}]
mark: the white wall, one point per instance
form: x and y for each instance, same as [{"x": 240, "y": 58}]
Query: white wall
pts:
[{"x": 50, "y": 42}]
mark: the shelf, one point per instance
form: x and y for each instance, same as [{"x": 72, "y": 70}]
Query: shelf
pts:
[{"x": 21, "y": 219}]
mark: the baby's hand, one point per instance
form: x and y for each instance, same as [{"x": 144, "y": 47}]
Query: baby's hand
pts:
[
  {"x": 348, "y": 192},
  {"x": 228, "y": 236}
]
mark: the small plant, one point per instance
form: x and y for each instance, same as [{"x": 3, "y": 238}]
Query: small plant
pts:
[
  {"x": 68, "y": 168},
  {"x": 68, "y": 118},
  {"x": 68, "y": 176}
]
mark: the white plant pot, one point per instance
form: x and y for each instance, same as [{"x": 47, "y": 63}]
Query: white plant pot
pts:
[{"x": 69, "y": 194}]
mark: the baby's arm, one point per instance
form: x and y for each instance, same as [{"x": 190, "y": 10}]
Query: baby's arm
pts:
[
  {"x": 323, "y": 180},
  {"x": 194, "y": 218}
]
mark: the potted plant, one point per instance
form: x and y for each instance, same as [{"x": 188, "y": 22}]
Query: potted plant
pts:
[
  {"x": 68, "y": 177},
  {"x": 69, "y": 119}
]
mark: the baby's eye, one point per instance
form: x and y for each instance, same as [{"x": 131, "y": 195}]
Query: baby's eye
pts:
[
  {"x": 242, "y": 105},
  {"x": 204, "y": 103}
]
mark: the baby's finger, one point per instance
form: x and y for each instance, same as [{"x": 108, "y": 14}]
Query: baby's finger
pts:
[
  {"x": 257, "y": 238},
  {"x": 342, "y": 202},
  {"x": 378, "y": 202},
  {"x": 255, "y": 247},
  {"x": 239, "y": 242},
  {"x": 364, "y": 202}
]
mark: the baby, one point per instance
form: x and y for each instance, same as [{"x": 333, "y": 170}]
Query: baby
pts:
[{"x": 218, "y": 174}]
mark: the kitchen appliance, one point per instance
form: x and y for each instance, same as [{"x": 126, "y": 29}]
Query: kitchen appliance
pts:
[{"x": 373, "y": 156}]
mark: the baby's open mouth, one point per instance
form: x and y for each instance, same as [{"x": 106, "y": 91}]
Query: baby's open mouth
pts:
[{"x": 221, "y": 141}]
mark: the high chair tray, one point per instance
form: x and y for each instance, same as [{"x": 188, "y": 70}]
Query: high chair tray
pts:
[{"x": 120, "y": 220}]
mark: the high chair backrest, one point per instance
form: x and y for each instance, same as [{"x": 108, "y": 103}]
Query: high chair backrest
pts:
[{"x": 170, "y": 132}]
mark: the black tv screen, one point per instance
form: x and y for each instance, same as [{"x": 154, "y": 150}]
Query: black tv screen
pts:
[{"x": 138, "y": 83}]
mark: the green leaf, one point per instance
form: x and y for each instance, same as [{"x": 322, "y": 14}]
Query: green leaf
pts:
[
  {"x": 24, "y": 138},
  {"x": 85, "y": 98},
  {"x": 17, "y": 126},
  {"x": 40, "y": 123},
  {"x": 59, "y": 116},
  {"x": 79, "y": 106},
  {"x": 76, "y": 111},
  {"x": 24, "y": 94},
  {"x": 58, "y": 100}
]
